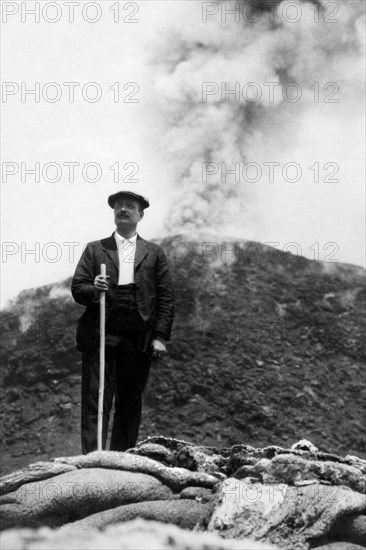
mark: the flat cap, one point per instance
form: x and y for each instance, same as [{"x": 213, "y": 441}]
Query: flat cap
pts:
[{"x": 142, "y": 200}]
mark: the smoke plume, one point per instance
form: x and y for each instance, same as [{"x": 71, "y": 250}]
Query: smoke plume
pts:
[{"x": 324, "y": 58}]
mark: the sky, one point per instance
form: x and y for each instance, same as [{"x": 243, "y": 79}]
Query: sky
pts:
[{"x": 133, "y": 91}]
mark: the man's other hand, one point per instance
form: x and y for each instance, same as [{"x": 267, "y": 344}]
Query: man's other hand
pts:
[{"x": 158, "y": 349}]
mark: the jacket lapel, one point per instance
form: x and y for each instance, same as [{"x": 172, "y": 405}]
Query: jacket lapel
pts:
[
  {"x": 141, "y": 251},
  {"x": 110, "y": 248}
]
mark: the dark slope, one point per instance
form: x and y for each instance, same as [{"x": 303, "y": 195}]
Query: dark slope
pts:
[{"x": 268, "y": 348}]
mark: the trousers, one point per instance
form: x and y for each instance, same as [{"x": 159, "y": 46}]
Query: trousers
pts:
[{"x": 126, "y": 373}]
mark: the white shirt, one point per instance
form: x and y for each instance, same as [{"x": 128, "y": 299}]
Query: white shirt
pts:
[{"x": 126, "y": 254}]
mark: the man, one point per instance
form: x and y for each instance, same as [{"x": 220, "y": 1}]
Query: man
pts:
[{"x": 139, "y": 316}]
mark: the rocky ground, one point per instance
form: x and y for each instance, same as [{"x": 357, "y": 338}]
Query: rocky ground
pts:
[
  {"x": 294, "y": 499},
  {"x": 267, "y": 348}
]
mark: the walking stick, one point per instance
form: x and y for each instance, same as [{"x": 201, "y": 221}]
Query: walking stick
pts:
[{"x": 101, "y": 361}]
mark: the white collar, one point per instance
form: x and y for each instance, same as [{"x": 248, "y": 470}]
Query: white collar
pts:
[{"x": 121, "y": 239}]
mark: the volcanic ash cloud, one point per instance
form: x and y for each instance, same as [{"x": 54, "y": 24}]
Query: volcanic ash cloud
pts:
[{"x": 192, "y": 57}]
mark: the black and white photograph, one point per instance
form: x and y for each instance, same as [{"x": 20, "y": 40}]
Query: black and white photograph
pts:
[{"x": 183, "y": 360}]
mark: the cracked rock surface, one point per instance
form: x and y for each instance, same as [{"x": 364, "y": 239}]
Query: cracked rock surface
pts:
[{"x": 296, "y": 499}]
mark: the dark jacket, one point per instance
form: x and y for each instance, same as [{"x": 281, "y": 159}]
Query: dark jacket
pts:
[{"x": 154, "y": 291}]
